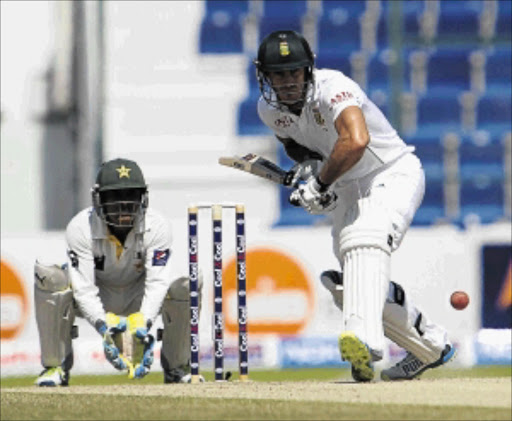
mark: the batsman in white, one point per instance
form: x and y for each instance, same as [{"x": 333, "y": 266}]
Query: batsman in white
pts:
[
  {"x": 118, "y": 277},
  {"x": 353, "y": 165}
]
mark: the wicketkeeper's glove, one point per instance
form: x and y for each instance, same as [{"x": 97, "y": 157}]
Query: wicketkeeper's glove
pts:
[
  {"x": 108, "y": 329},
  {"x": 142, "y": 357}
]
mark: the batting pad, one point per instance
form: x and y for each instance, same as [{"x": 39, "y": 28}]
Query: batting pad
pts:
[
  {"x": 365, "y": 249},
  {"x": 366, "y": 274},
  {"x": 409, "y": 328}
]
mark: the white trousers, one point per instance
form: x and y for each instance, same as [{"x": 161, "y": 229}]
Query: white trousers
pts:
[
  {"x": 399, "y": 187},
  {"x": 382, "y": 202}
]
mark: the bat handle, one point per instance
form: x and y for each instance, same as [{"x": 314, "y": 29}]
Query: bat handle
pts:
[{"x": 287, "y": 181}]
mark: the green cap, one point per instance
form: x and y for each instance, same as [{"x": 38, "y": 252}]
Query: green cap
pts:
[{"x": 120, "y": 174}]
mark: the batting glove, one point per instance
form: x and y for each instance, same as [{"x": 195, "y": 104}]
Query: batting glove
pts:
[
  {"x": 303, "y": 171},
  {"x": 312, "y": 197}
]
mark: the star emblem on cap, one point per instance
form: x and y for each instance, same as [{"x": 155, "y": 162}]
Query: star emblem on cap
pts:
[{"x": 123, "y": 171}]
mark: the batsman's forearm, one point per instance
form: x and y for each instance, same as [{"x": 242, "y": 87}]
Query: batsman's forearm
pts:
[{"x": 343, "y": 157}]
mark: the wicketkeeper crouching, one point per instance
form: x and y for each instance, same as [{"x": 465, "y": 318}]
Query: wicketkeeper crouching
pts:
[{"x": 118, "y": 278}]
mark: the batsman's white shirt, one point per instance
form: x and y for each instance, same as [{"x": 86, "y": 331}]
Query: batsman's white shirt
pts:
[
  {"x": 315, "y": 129},
  {"x": 387, "y": 170},
  {"x": 108, "y": 276}
]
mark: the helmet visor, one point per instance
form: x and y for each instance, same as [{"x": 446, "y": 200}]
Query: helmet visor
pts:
[
  {"x": 120, "y": 207},
  {"x": 285, "y": 89}
]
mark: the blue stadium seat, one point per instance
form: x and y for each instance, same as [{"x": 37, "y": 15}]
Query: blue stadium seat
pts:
[
  {"x": 378, "y": 71},
  {"x": 498, "y": 70},
  {"x": 407, "y": 57},
  {"x": 449, "y": 69},
  {"x": 282, "y": 14},
  {"x": 430, "y": 151},
  {"x": 334, "y": 60},
  {"x": 494, "y": 112},
  {"x": 282, "y": 9},
  {"x": 381, "y": 99},
  {"x": 339, "y": 27},
  {"x": 503, "y": 27},
  {"x": 482, "y": 153},
  {"x": 353, "y": 7},
  {"x": 431, "y": 210},
  {"x": 221, "y": 27},
  {"x": 481, "y": 195},
  {"x": 236, "y": 7},
  {"x": 382, "y": 32},
  {"x": 412, "y": 11},
  {"x": 459, "y": 19},
  {"x": 377, "y": 67},
  {"x": 440, "y": 109},
  {"x": 482, "y": 176}
]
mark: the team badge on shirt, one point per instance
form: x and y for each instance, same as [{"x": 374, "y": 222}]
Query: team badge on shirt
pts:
[
  {"x": 318, "y": 117},
  {"x": 160, "y": 257}
]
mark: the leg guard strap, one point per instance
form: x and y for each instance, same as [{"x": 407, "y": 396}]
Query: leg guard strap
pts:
[{"x": 409, "y": 328}]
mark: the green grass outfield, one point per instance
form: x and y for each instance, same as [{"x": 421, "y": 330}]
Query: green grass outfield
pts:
[{"x": 479, "y": 393}]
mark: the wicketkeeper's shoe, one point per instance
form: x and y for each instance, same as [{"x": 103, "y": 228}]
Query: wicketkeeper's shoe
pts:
[
  {"x": 179, "y": 375},
  {"x": 52, "y": 377},
  {"x": 412, "y": 367},
  {"x": 358, "y": 354}
]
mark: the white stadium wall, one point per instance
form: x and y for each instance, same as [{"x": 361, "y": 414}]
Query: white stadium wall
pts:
[{"x": 292, "y": 319}]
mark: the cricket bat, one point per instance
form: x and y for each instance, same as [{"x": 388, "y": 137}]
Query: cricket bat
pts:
[{"x": 257, "y": 165}]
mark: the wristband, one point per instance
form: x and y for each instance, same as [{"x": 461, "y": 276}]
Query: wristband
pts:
[
  {"x": 100, "y": 326},
  {"x": 322, "y": 187}
]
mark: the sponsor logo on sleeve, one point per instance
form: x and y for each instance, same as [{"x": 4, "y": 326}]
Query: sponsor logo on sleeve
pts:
[
  {"x": 160, "y": 257},
  {"x": 340, "y": 97}
]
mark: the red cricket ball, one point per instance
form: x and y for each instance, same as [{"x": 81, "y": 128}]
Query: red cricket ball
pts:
[{"x": 459, "y": 300}]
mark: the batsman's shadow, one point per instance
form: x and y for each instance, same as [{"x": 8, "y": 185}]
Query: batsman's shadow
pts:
[{"x": 343, "y": 381}]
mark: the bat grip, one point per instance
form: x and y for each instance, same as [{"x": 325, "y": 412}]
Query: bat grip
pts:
[{"x": 287, "y": 181}]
